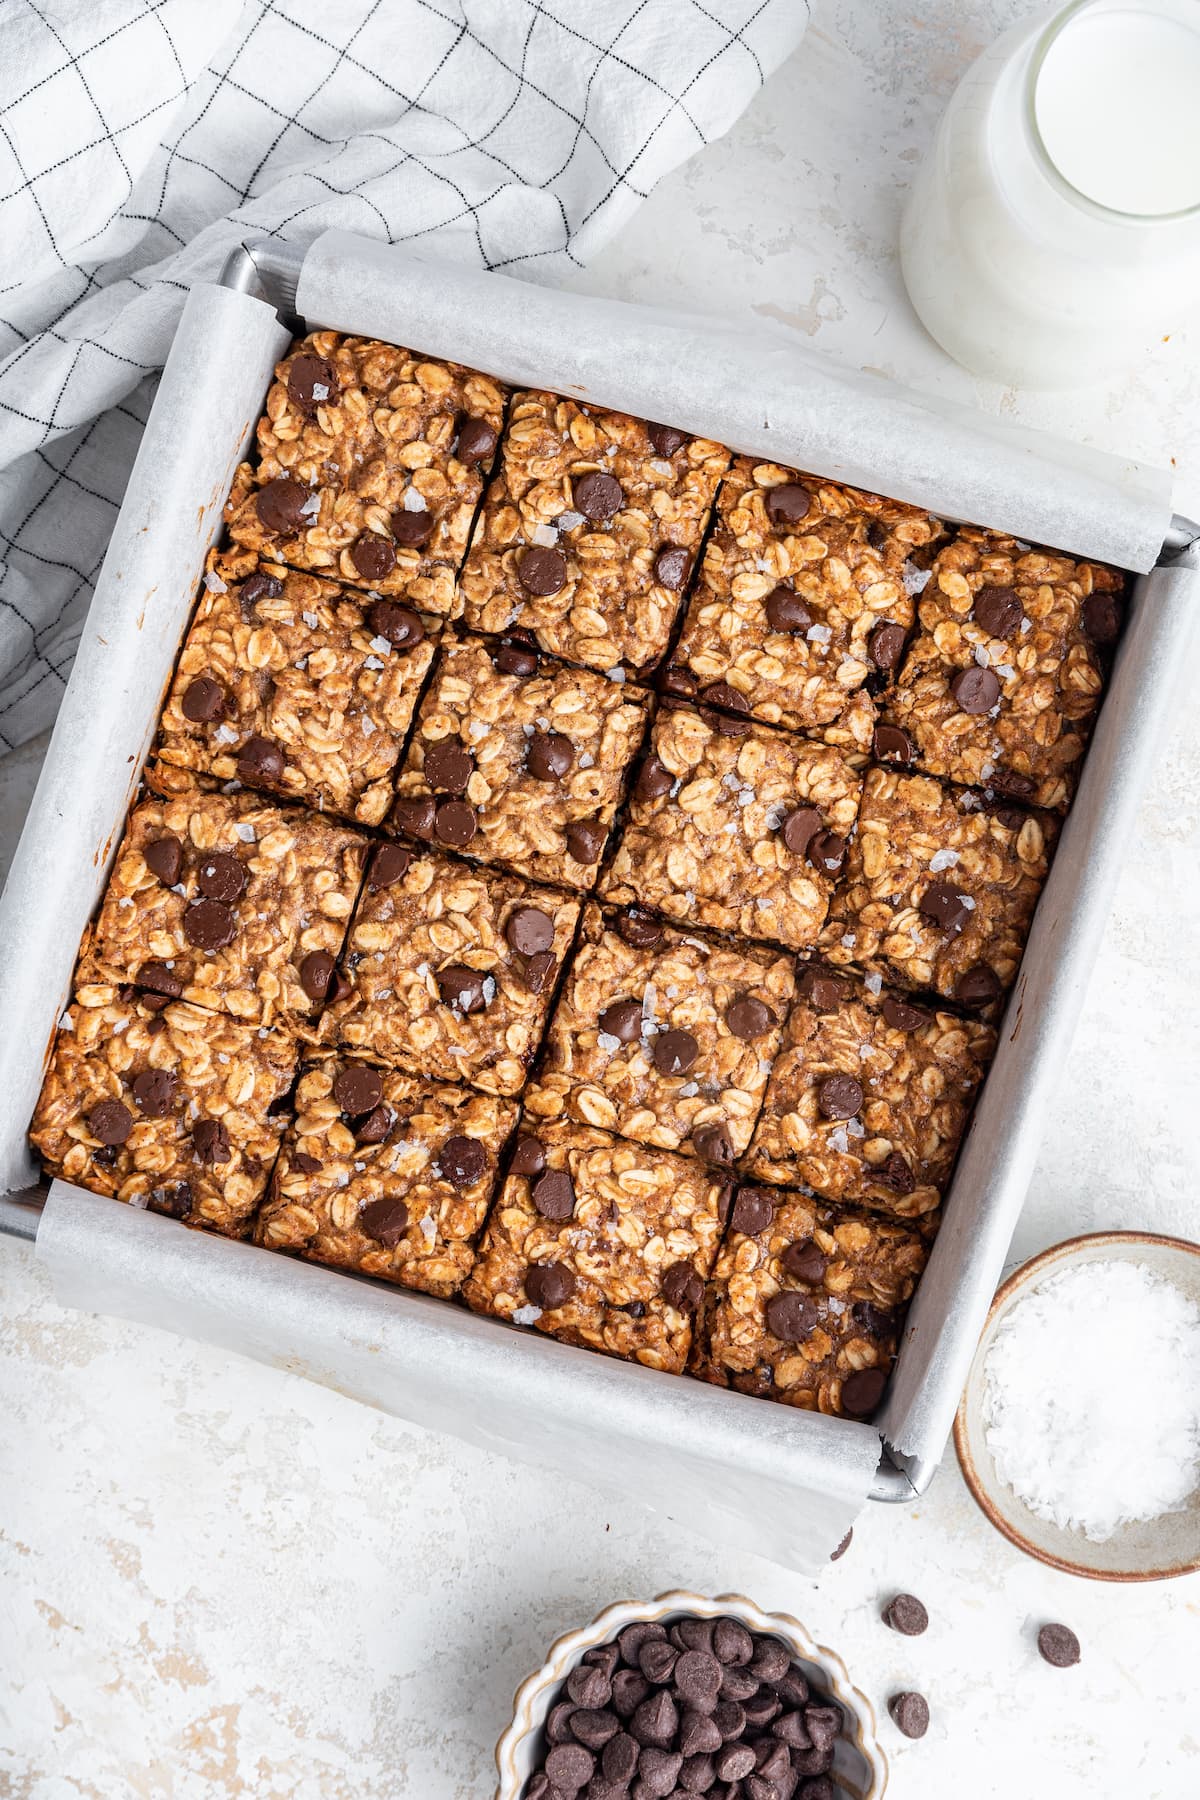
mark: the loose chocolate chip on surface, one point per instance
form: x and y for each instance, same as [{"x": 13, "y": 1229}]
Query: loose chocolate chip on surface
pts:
[
  {"x": 906, "y": 1614},
  {"x": 449, "y": 766},
  {"x": 220, "y": 876},
  {"x": 308, "y": 372},
  {"x": 714, "y": 1144},
  {"x": 902, "y": 1016},
  {"x": 358, "y": 1089},
  {"x": 455, "y": 824},
  {"x": 748, "y": 1018},
  {"x": 585, "y": 841},
  {"x": 513, "y": 659},
  {"x": 791, "y": 1317},
  {"x": 259, "y": 587},
  {"x": 665, "y": 439},
  {"x": 415, "y": 814},
  {"x": 203, "y": 700},
  {"x": 554, "y": 1195},
  {"x": 529, "y": 930},
  {"x": 946, "y": 906},
  {"x": 820, "y": 989},
  {"x": 209, "y": 925},
  {"x": 373, "y": 555},
  {"x": 164, "y": 858},
  {"x": 384, "y": 1220},
  {"x": 400, "y": 625},
  {"x": 550, "y": 755},
  {"x": 463, "y": 1161},
  {"x": 1102, "y": 618},
  {"x": 529, "y": 1157},
  {"x": 753, "y": 1211},
  {"x": 837, "y": 1555},
  {"x": 975, "y": 690},
  {"x": 375, "y": 1126},
  {"x": 910, "y": 1713},
  {"x": 886, "y": 645},
  {"x": 639, "y": 930},
  {"x": 805, "y": 1261},
  {"x": 675, "y": 1052},
  {"x": 978, "y": 986},
  {"x": 315, "y": 972},
  {"x": 281, "y": 504},
  {"x": 153, "y": 1091},
  {"x": 862, "y": 1391},
  {"x": 1058, "y": 1645},
  {"x": 799, "y": 829},
  {"x": 997, "y": 610},
  {"x": 622, "y": 1020},
  {"x": 549, "y": 1285},
  {"x": 412, "y": 529},
  {"x": 786, "y": 611},
  {"x": 210, "y": 1141},
  {"x": 260, "y": 762},
  {"x": 389, "y": 863},
  {"x": 839, "y": 1097},
  {"x": 111, "y": 1121},
  {"x": 160, "y": 980},
  {"x": 890, "y": 744},
  {"x": 788, "y": 503},
  {"x": 542, "y": 571},
  {"x": 683, "y": 1289},
  {"x": 654, "y": 780},
  {"x": 597, "y": 496},
  {"x": 461, "y": 988},
  {"x": 826, "y": 851},
  {"x": 671, "y": 567},
  {"x": 476, "y": 439}
]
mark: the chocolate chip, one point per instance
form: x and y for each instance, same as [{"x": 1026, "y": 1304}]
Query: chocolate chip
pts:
[
  {"x": 384, "y": 1220},
  {"x": 315, "y": 972},
  {"x": 714, "y": 1144},
  {"x": 594, "y": 1727},
  {"x": 620, "y": 1759},
  {"x": 1058, "y": 1645},
  {"x": 461, "y": 988},
  {"x": 728, "y": 1716},
  {"x": 698, "y": 1735},
  {"x": 538, "y": 971},
  {"x": 790, "y": 1317},
  {"x": 824, "y": 1726},
  {"x": 631, "y": 1639},
  {"x": 862, "y": 1391},
  {"x": 978, "y": 986},
  {"x": 895, "y": 1174},
  {"x": 902, "y": 1016},
  {"x": 399, "y": 625},
  {"x": 203, "y": 700},
  {"x": 657, "y": 1773},
  {"x": 164, "y": 858},
  {"x": 1016, "y": 787},
  {"x": 389, "y": 863},
  {"x": 906, "y": 1614},
  {"x": 529, "y": 931},
  {"x": 553, "y": 1194},
  {"x": 374, "y": 1128},
  {"x": 304, "y": 1163},
  {"x": 512, "y": 659},
  {"x": 890, "y": 744},
  {"x": 877, "y": 1322},
  {"x": 373, "y": 556},
  {"x": 340, "y": 987},
  {"x": 568, "y": 1767},
  {"x": 799, "y": 829},
  {"x": 656, "y": 1721},
  {"x": 719, "y": 693},
  {"x": 542, "y": 571},
  {"x": 412, "y": 529},
  {"x": 153, "y": 1091},
  {"x": 209, "y": 925},
  {"x": 885, "y": 646},
  {"x": 735, "y": 1762},
  {"x": 550, "y": 755},
  {"x": 945, "y": 906},
  {"x": 790, "y": 1728},
  {"x": 997, "y": 610},
  {"x": 792, "y": 1688},
  {"x": 697, "y": 1775},
  {"x": 839, "y": 1097},
  {"x": 678, "y": 681},
  {"x": 770, "y": 1661},
  {"x": 558, "y": 1723},
  {"x": 827, "y": 851},
  {"x": 549, "y": 1285},
  {"x": 657, "y": 1659},
  {"x": 671, "y": 567},
  {"x": 837, "y": 1555},
  {"x": 259, "y": 587},
  {"x": 629, "y": 1689},
  {"x": 805, "y": 1261},
  {"x": 160, "y": 980},
  {"x": 760, "y": 1709},
  {"x": 975, "y": 690},
  {"x": 622, "y": 1020},
  {"x": 220, "y": 876},
  {"x": 260, "y": 762},
  {"x": 1102, "y": 618},
  {"x": 910, "y": 1713},
  {"x": 675, "y": 1052},
  {"x": 111, "y": 1121},
  {"x": 788, "y": 503},
  {"x": 455, "y": 824},
  {"x": 448, "y": 766},
  {"x": 585, "y": 841},
  {"x": 529, "y": 1157},
  {"x": 415, "y": 814},
  {"x": 281, "y": 506},
  {"x": 597, "y": 496},
  {"x": 306, "y": 373},
  {"x": 786, "y": 611},
  {"x": 683, "y": 1289},
  {"x": 463, "y": 1161},
  {"x": 476, "y": 439},
  {"x": 753, "y": 1211},
  {"x": 358, "y": 1089},
  {"x": 654, "y": 780},
  {"x": 175, "y": 1200},
  {"x": 638, "y": 929},
  {"x": 820, "y": 989},
  {"x": 748, "y": 1018},
  {"x": 210, "y": 1141},
  {"x": 665, "y": 439}
]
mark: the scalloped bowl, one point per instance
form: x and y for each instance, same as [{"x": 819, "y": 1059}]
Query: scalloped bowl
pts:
[{"x": 859, "y": 1768}]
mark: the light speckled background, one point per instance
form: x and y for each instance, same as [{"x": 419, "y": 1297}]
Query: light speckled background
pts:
[{"x": 220, "y": 1581}]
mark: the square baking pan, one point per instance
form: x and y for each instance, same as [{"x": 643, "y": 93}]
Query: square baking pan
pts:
[{"x": 718, "y": 1460}]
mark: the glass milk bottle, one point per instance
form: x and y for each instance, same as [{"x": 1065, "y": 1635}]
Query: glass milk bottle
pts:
[{"x": 1053, "y": 233}]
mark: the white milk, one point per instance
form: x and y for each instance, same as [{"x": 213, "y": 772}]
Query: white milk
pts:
[{"x": 1053, "y": 233}]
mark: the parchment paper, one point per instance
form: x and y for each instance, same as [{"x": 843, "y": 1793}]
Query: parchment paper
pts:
[{"x": 752, "y": 389}]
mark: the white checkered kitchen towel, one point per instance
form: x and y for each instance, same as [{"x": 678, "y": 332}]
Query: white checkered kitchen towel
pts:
[{"x": 140, "y": 140}]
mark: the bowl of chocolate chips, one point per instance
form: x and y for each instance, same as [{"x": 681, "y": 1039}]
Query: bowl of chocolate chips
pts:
[{"x": 689, "y": 1697}]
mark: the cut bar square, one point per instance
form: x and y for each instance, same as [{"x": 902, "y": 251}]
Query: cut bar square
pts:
[
  {"x": 385, "y": 1175},
  {"x": 228, "y": 901},
  {"x": 165, "y": 1106},
  {"x": 524, "y": 768},
  {"x": 600, "y": 1243},
  {"x": 663, "y": 1037},
  {"x": 1001, "y": 686},
  {"x": 939, "y": 888},
  {"x": 449, "y": 969},
  {"x": 736, "y": 827},
  {"x": 292, "y": 684},
  {"x": 869, "y": 1096},
  {"x": 588, "y": 534},
  {"x": 370, "y": 466},
  {"x": 806, "y": 1304},
  {"x": 803, "y": 600}
]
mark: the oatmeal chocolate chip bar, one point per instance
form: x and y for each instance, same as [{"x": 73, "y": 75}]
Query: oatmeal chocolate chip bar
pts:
[
  {"x": 802, "y": 601},
  {"x": 290, "y": 683},
  {"x": 370, "y": 465},
  {"x": 869, "y": 1096},
  {"x": 164, "y": 1105},
  {"x": 449, "y": 970},
  {"x": 385, "y": 1175},
  {"x": 735, "y": 826},
  {"x": 939, "y": 888},
  {"x": 1002, "y": 683},
  {"x": 229, "y": 902},
  {"x": 663, "y": 1038},
  {"x": 601, "y": 1243},
  {"x": 587, "y": 536},
  {"x": 519, "y": 761},
  {"x": 806, "y": 1304}
]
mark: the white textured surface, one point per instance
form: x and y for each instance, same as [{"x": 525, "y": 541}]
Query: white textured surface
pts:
[{"x": 218, "y": 1580}]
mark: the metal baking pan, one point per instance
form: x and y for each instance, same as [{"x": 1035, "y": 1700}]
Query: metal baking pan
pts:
[{"x": 998, "y": 1156}]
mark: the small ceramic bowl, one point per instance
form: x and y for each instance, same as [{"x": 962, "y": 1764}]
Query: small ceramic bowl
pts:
[
  {"x": 859, "y": 1768},
  {"x": 1151, "y": 1551}
]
